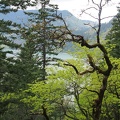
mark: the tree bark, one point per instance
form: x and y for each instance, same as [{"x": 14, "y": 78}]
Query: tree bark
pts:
[{"x": 45, "y": 113}]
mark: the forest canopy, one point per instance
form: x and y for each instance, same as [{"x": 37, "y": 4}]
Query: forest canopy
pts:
[{"x": 36, "y": 84}]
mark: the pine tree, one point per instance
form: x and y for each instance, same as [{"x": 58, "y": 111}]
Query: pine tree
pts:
[
  {"x": 42, "y": 39},
  {"x": 7, "y": 29},
  {"x": 9, "y": 32},
  {"x": 5, "y": 5},
  {"x": 114, "y": 35},
  {"x": 29, "y": 67},
  {"x": 45, "y": 32}
]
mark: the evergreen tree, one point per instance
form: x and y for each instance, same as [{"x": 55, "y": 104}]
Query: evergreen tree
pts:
[
  {"x": 16, "y": 4},
  {"x": 28, "y": 64},
  {"x": 9, "y": 32},
  {"x": 44, "y": 31},
  {"x": 41, "y": 42},
  {"x": 7, "y": 28},
  {"x": 114, "y": 35}
]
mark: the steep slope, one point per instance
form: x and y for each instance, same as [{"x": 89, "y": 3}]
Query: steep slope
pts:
[{"x": 75, "y": 25}]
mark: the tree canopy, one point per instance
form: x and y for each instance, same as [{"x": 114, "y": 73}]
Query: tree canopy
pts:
[
  {"x": 35, "y": 84},
  {"x": 114, "y": 35}
]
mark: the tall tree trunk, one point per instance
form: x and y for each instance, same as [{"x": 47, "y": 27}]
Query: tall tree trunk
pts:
[{"x": 98, "y": 102}]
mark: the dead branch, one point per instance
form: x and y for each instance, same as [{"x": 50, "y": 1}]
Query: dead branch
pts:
[
  {"x": 90, "y": 26},
  {"x": 91, "y": 15},
  {"x": 95, "y": 3},
  {"x": 82, "y": 11},
  {"x": 106, "y": 17}
]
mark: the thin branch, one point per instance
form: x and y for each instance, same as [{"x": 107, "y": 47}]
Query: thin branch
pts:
[
  {"x": 92, "y": 91},
  {"x": 95, "y": 3},
  {"x": 75, "y": 38},
  {"x": 88, "y": 9},
  {"x": 104, "y": 4},
  {"x": 106, "y": 17},
  {"x": 100, "y": 5},
  {"x": 90, "y": 26},
  {"x": 65, "y": 113},
  {"x": 76, "y": 70},
  {"x": 91, "y": 15}
]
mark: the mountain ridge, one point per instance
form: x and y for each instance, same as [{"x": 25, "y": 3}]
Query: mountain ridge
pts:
[{"x": 74, "y": 24}]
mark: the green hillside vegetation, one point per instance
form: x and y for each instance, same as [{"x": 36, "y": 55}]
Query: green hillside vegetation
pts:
[{"x": 37, "y": 85}]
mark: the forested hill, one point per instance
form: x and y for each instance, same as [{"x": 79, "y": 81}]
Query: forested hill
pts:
[{"x": 76, "y": 25}]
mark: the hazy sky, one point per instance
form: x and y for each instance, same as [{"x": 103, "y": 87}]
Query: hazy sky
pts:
[{"x": 75, "y": 7}]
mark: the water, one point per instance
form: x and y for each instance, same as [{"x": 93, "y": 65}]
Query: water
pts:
[{"x": 64, "y": 56}]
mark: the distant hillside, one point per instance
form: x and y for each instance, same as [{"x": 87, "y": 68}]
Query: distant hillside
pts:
[{"x": 75, "y": 25}]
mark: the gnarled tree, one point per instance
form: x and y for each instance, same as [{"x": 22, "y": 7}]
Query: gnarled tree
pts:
[{"x": 104, "y": 72}]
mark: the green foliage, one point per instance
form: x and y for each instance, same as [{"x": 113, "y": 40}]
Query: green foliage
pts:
[
  {"x": 114, "y": 35},
  {"x": 9, "y": 80},
  {"x": 30, "y": 88},
  {"x": 29, "y": 64},
  {"x": 16, "y": 4},
  {"x": 111, "y": 104},
  {"x": 43, "y": 34},
  {"x": 83, "y": 90},
  {"x": 49, "y": 95},
  {"x": 73, "y": 95}
]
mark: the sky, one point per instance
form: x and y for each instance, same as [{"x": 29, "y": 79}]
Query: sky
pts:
[{"x": 75, "y": 7}]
